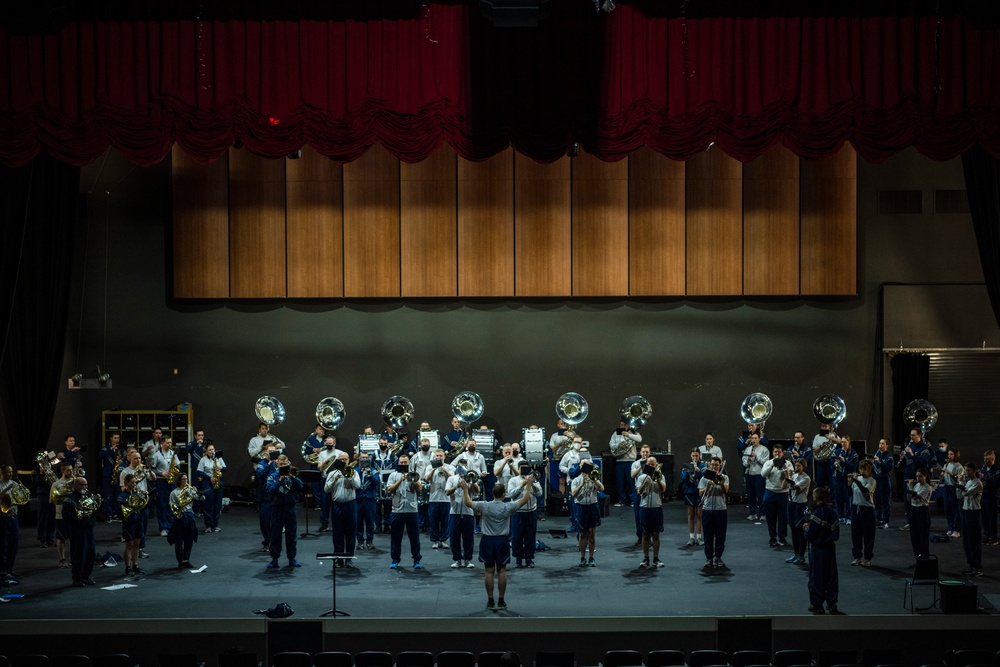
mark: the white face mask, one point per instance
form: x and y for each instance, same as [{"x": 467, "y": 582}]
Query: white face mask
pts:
[{"x": 577, "y": 446}]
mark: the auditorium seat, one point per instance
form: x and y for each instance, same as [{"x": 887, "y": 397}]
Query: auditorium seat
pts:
[
  {"x": 332, "y": 659},
  {"x": 71, "y": 661},
  {"x": 748, "y": 658},
  {"x": 112, "y": 660},
  {"x": 30, "y": 660},
  {"x": 707, "y": 657},
  {"x": 490, "y": 658},
  {"x": 180, "y": 660},
  {"x": 665, "y": 658},
  {"x": 622, "y": 658},
  {"x": 372, "y": 659},
  {"x": 555, "y": 659},
  {"x": 872, "y": 657},
  {"x": 414, "y": 659},
  {"x": 829, "y": 658},
  {"x": 238, "y": 659},
  {"x": 291, "y": 659},
  {"x": 456, "y": 659},
  {"x": 793, "y": 656}
]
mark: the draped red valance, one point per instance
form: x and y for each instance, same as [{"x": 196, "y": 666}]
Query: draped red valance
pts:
[{"x": 613, "y": 82}]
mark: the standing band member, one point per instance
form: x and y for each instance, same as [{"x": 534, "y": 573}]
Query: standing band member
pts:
[
  {"x": 134, "y": 488},
  {"x": 649, "y": 487},
  {"x": 845, "y": 464},
  {"x": 404, "y": 487},
  {"x": 776, "y": 473},
  {"x": 637, "y": 467},
  {"x": 754, "y": 456},
  {"x": 46, "y": 464},
  {"x": 283, "y": 489},
  {"x": 953, "y": 474},
  {"x": 919, "y": 492},
  {"x": 883, "y": 464},
  {"x": 366, "y": 496},
  {"x": 494, "y": 546},
  {"x": 798, "y": 497},
  {"x": 524, "y": 522},
  {"x": 160, "y": 462},
  {"x": 341, "y": 486},
  {"x": 210, "y": 469},
  {"x": 584, "y": 491},
  {"x": 690, "y": 476},
  {"x": 311, "y": 448},
  {"x": 823, "y": 445},
  {"x": 461, "y": 521},
  {"x": 9, "y": 527},
  {"x": 436, "y": 477},
  {"x": 111, "y": 460},
  {"x": 184, "y": 529},
  {"x": 713, "y": 487},
  {"x": 822, "y": 530},
  {"x": 81, "y": 522},
  {"x": 624, "y": 443},
  {"x": 262, "y": 472},
  {"x": 990, "y": 475},
  {"x": 58, "y": 492},
  {"x": 970, "y": 494},
  {"x": 863, "y": 487},
  {"x": 915, "y": 456}
]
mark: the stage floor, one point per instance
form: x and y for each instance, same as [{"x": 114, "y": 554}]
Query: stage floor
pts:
[{"x": 235, "y": 580}]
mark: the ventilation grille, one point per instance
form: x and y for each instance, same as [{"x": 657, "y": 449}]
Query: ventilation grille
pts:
[
  {"x": 964, "y": 386},
  {"x": 951, "y": 201},
  {"x": 900, "y": 202}
]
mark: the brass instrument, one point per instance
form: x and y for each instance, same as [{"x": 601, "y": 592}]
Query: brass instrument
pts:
[
  {"x": 186, "y": 496},
  {"x": 87, "y": 505},
  {"x": 312, "y": 459},
  {"x": 657, "y": 474},
  {"x": 116, "y": 468},
  {"x": 17, "y": 494},
  {"x": 349, "y": 470},
  {"x": 270, "y": 411},
  {"x": 468, "y": 408},
  {"x": 634, "y": 411},
  {"x": 43, "y": 458},
  {"x": 594, "y": 474},
  {"x": 397, "y": 412},
  {"x": 330, "y": 413},
  {"x": 60, "y": 490},
  {"x": 756, "y": 408},
  {"x": 135, "y": 502},
  {"x": 293, "y": 471},
  {"x": 173, "y": 471},
  {"x": 140, "y": 473},
  {"x": 920, "y": 414},
  {"x": 571, "y": 408},
  {"x": 471, "y": 477},
  {"x": 216, "y": 476},
  {"x": 412, "y": 477},
  {"x": 829, "y": 409}
]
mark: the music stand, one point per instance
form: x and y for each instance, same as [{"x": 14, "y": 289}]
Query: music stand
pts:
[
  {"x": 334, "y": 556},
  {"x": 309, "y": 477}
]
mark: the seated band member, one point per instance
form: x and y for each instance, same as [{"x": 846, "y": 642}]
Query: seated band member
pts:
[
  {"x": 863, "y": 514},
  {"x": 160, "y": 462},
  {"x": 883, "y": 464},
  {"x": 366, "y": 496},
  {"x": 754, "y": 456},
  {"x": 990, "y": 475},
  {"x": 798, "y": 497},
  {"x": 58, "y": 493},
  {"x": 637, "y": 467},
  {"x": 713, "y": 487},
  {"x": 822, "y": 530},
  {"x": 627, "y": 441},
  {"x": 494, "y": 546},
  {"x": 953, "y": 474},
  {"x": 845, "y": 463},
  {"x": 436, "y": 477},
  {"x": 971, "y": 494},
  {"x": 649, "y": 491},
  {"x": 342, "y": 489},
  {"x": 584, "y": 491},
  {"x": 690, "y": 476},
  {"x": 283, "y": 489},
  {"x": 919, "y": 492},
  {"x": 9, "y": 527},
  {"x": 524, "y": 522},
  {"x": 210, "y": 469},
  {"x": 776, "y": 473},
  {"x": 404, "y": 488},
  {"x": 82, "y": 547},
  {"x": 133, "y": 481},
  {"x": 461, "y": 520},
  {"x": 184, "y": 530}
]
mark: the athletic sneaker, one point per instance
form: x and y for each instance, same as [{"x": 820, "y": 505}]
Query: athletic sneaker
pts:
[
  {"x": 644, "y": 563},
  {"x": 457, "y": 564},
  {"x": 583, "y": 562},
  {"x": 591, "y": 563},
  {"x": 657, "y": 562},
  {"x": 469, "y": 564},
  {"x": 856, "y": 561},
  {"x": 491, "y": 604},
  {"x": 501, "y": 604},
  {"x": 393, "y": 566}
]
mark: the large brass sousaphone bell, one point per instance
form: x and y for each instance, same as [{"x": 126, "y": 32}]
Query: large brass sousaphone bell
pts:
[
  {"x": 635, "y": 411},
  {"x": 330, "y": 413},
  {"x": 921, "y": 414},
  {"x": 397, "y": 412},
  {"x": 269, "y": 410},
  {"x": 571, "y": 408},
  {"x": 756, "y": 408},
  {"x": 830, "y": 409},
  {"x": 468, "y": 407}
]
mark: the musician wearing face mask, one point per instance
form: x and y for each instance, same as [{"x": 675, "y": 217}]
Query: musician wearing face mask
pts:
[
  {"x": 953, "y": 474},
  {"x": 461, "y": 521},
  {"x": 184, "y": 531},
  {"x": 919, "y": 491},
  {"x": 916, "y": 455},
  {"x": 419, "y": 463},
  {"x": 624, "y": 445},
  {"x": 312, "y": 446},
  {"x": 649, "y": 490},
  {"x": 754, "y": 456},
  {"x": 366, "y": 497},
  {"x": 883, "y": 463},
  {"x": 823, "y": 445},
  {"x": 327, "y": 455},
  {"x": 341, "y": 486},
  {"x": 863, "y": 514},
  {"x": 81, "y": 533},
  {"x": 569, "y": 467},
  {"x": 383, "y": 464},
  {"x": 990, "y": 475},
  {"x": 404, "y": 489},
  {"x": 690, "y": 476},
  {"x": 210, "y": 471},
  {"x": 283, "y": 488},
  {"x": 713, "y": 487},
  {"x": 585, "y": 492},
  {"x": 845, "y": 463},
  {"x": 436, "y": 480},
  {"x": 970, "y": 494},
  {"x": 798, "y": 496},
  {"x": 558, "y": 439},
  {"x": 524, "y": 522},
  {"x": 473, "y": 461},
  {"x": 776, "y": 473}
]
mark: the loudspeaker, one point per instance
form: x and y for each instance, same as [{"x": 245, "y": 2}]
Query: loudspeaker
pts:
[
  {"x": 554, "y": 506},
  {"x": 958, "y": 598}
]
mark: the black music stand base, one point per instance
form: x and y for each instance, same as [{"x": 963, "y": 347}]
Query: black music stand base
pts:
[
  {"x": 309, "y": 477},
  {"x": 334, "y": 557}
]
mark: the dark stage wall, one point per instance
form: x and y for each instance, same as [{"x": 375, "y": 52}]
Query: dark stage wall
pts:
[{"x": 694, "y": 360}]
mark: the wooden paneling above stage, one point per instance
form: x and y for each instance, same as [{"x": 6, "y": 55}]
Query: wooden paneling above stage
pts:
[{"x": 510, "y": 227}]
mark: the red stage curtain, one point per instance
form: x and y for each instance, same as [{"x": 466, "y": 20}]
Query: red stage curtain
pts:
[{"x": 613, "y": 82}]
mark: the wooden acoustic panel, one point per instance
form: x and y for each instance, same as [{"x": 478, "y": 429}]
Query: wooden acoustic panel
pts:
[
  {"x": 656, "y": 225},
  {"x": 542, "y": 240},
  {"x": 427, "y": 226},
  {"x": 486, "y": 226},
  {"x": 256, "y": 226},
  {"x": 200, "y": 227},
  {"x": 829, "y": 224},
  {"x": 371, "y": 225},
  {"x": 771, "y": 224},
  {"x": 315, "y": 226},
  {"x": 714, "y": 194},
  {"x": 600, "y": 226}
]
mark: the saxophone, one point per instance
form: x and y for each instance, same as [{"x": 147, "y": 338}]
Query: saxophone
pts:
[
  {"x": 216, "y": 476},
  {"x": 173, "y": 470}
]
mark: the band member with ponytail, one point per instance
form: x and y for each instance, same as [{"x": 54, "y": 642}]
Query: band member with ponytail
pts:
[
  {"x": 919, "y": 492},
  {"x": 584, "y": 491},
  {"x": 184, "y": 530},
  {"x": 798, "y": 497},
  {"x": 971, "y": 493},
  {"x": 883, "y": 464},
  {"x": 651, "y": 510},
  {"x": 953, "y": 474},
  {"x": 822, "y": 530},
  {"x": 863, "y": 487}
]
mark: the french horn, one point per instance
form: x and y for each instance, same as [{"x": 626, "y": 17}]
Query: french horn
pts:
[
  {"x": 756, "y": 408},
  {"x": 17, "y": 494},
  {"x": 330, "y": 413},
  {"x": 87, "y": 505},
  {"x": 920, "y": 414}
]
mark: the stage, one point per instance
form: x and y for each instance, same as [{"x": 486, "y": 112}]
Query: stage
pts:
[{"x": 615, "y": 602}]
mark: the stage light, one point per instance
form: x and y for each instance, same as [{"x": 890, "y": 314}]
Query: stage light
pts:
[{"x": 295, "y": 155}]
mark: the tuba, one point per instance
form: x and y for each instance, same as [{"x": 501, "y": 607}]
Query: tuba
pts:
[
  {"x": 87, "y": 505},
  {"x": 920, "y": 414},
  {"x": 468, "y": 408},
  {"x": 397, "y": 412},
  {"x": 756, "y": 408},
  {"x": 270, "y": 411},
  {"x": 829, "y": 409},
  {"x": 330, "y": 413},
  {"x": 635, "y": 411},
  {"x": 571, "y": 408},
  {"x": 17, "y": 494}
]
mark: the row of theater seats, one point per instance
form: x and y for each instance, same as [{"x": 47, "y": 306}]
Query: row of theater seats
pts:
[{"x": 615, "y": 658}]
